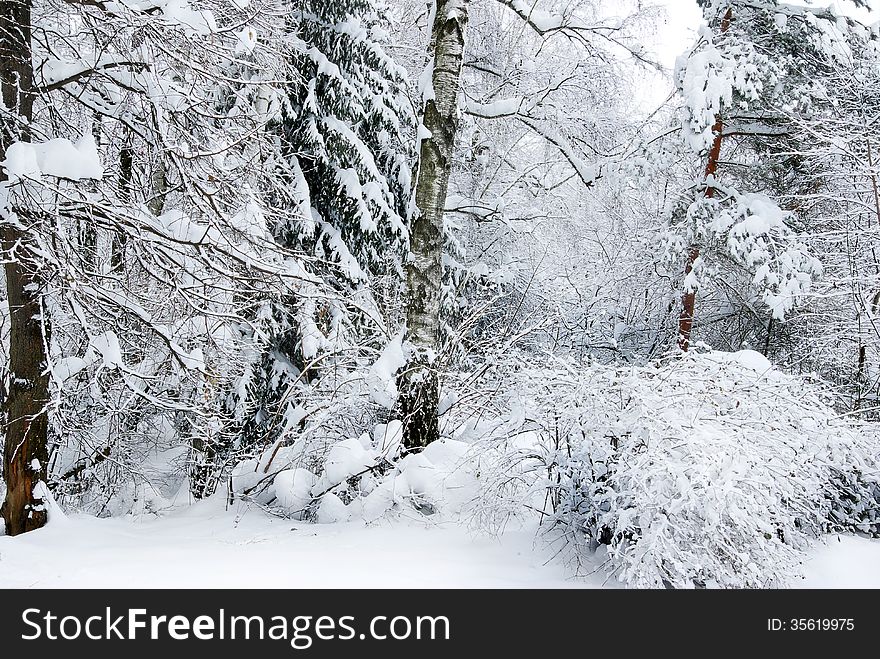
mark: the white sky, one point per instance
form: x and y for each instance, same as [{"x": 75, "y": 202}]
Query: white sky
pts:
[{"x": 677, "y": 33}]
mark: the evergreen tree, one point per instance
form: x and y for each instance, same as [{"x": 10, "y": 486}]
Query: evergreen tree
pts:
[
  {"x": 345, "y": 137},
  {"x": 757, "y": 70},
  {"x": 346, "y": 130}
]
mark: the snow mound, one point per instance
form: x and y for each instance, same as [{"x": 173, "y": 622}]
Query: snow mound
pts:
[
  {"x": 293, "y": 490},
  {"x": 363, "y": 479},
  {"x": 746, "y": 358}
]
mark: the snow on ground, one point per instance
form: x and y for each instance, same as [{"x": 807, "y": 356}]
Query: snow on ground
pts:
[
  {"x": 843, "y": 561},
  {"x": 208, "y": 546}
]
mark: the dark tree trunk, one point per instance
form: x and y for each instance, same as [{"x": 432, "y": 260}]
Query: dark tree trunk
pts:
[
  {"x": 126, "y": 164},
  {"x": 25, "y": 454},
  {"x": 88, "y": 233},
  {"x": 419, "y": 383}
]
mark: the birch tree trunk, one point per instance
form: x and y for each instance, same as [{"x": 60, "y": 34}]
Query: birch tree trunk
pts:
[
  {"x": 419, "y": 383},
  {"x": 25, "y": 422},
  {"x": 158, "y": 185}
]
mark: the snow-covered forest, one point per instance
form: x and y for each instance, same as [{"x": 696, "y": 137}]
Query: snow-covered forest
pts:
[{"x": 492, "y": 285}]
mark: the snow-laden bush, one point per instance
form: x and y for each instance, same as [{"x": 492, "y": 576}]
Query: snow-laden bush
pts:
[
  {"x": 711, "y": 470},
  {"x": 365, "y": 478},
  {"x": 342, "y": 458},
  {"x": 707, "y": 470}
]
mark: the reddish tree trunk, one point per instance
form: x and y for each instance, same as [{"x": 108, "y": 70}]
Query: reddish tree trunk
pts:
[
  {"x": 25, "y": 454},
  {"x": 686, "y": 319},
  {"x": 688, "y": 301}
]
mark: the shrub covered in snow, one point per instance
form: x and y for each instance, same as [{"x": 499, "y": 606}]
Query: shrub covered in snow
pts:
[
  {"x": 364, "y": 478},
  {"x": 707, "y": 470},
  {"x": 342, "y": 458},
  {"x": 712, "y": 470}
]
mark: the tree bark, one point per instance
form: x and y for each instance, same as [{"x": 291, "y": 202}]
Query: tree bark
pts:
[
  {"x": 119, "y": 240},
  {"x": 419, "y": 383},
  {"x": 88, "y": 230},
  {"x": 689, "y": 299},
  {"x": 25, "y": 454},
  {"x": 158, "y": 186}
]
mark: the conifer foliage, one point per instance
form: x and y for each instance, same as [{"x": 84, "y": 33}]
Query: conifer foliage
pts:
[
  {"x": 345, "y": 141},
  {"x": 347, "y": 128}
]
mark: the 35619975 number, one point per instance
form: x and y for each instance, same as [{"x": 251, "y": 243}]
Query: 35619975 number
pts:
[{"x": 811, "y": 624}]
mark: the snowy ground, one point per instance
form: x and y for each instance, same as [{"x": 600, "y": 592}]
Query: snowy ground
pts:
[
  {"x": 207, "y": 546},
  {"x": 844, "y": 562}
]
